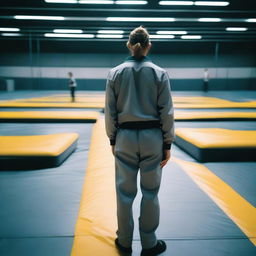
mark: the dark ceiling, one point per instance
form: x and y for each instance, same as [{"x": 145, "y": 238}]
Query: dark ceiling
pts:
[{"x": 92, "y": 17}]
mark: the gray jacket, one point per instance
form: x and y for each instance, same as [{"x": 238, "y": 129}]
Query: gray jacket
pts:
[{"x": 138, "y": 90}]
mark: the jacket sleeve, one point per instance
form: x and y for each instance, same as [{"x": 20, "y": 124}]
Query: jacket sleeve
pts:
[
  {"x": 166, "y": 111},
  {"x": 110, "y": 112}
]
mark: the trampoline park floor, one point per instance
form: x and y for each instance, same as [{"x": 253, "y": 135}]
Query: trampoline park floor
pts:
[{"x": 40, "y": 209}]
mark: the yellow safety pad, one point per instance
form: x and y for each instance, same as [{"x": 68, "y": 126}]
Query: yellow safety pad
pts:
[
  {"x": 96, "y": 224},
  {"x": 209, "y": 102},
  {"x": 97, "y": 100},
  {"x": 85, "y": 99},
  {"x": 82, "y": 101},
  {"x": 190, "y": 115},
  {"x": 237, "y": 208},
  {"x": 217, "y": 137},
  {"x": 50, "y": 115},
  {"x": 36, "y": 145},
  {"x": 51, "y": 105}
]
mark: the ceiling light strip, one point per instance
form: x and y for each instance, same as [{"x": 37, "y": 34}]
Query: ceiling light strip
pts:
[
  {"x": 176, "y": 2},
  {"x": 236, "y": 29},
  {"x": 198, "y": 3},
  {"x": 109, "y": 36},
  {"x": 209, "y": 19},
  {"x": 110, "y": 31},
  {"x": 191, "y": 37},
  {"x": 11, "y": 34},
  {"x": 211, "y": 3},
  {"x": 139, "y": 19},
  {"x": 65, "y": 31},
  {"x": 95, "y": 2},
  {"x": 69, "y": 35},
  {"x": 61, "y": 1},
  {"x": 132, "y": 2},
  {"x": 171, "y": 32},
  {"x": 161, "y": 36},
  {"x": 10, "y": 29},
  {"x": 34, "y": 17},
  {"x": 251, "y": 20}
]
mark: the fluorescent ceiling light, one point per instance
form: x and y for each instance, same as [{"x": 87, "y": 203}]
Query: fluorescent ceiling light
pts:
[
  {"x": 109, "y": 36},
  {"x": 33, "y": 17},
  {"x": 236, "y": 29},
  {"x": 211, "y": 3},
  {"x": 10, "y": 29},
  {"x": 95, "y": 2},
  {"x": 191, "y": 37},
  {"x": 162, "y": 36},
  {"x": 209, "y": 19},
  {"x": 131, "y": 2},
  {"x": 138, "y": 19},
  {"x": 69, "y": 35},
  {"x": 171, "y": 32},
  {"x": 11, "y": 34},
  {"x": 176, "y": 2},
  {"x": 251, "y": 20},
  {"x": 111, "y": 31},
  {"x": 74, "y": 31},
  {"x": 62, "y": 1}
]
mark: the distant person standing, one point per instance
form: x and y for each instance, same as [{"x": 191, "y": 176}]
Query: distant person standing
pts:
[
  {"x": 206, "y": 79},
  {"x": 72, "y": 85}
]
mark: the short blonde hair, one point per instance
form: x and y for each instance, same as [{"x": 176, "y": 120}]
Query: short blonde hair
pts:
[{"x": 138, "y": 40}]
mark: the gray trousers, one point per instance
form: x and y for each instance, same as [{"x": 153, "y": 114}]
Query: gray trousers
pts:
[{"x": 138, "y": 150}]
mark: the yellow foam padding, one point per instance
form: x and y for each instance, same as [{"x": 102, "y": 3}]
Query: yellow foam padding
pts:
[
  {"x": 209, "y": 102},
  {"x": 217, "y": 137},
  {"x": 97, "y": 101},
  {"x": 65, "y": 99},
  {"x": 190, "y": 115},
  {"x": 52, "y": 105},
  {"x": 36, "y": 145},
  {"x": 50, "y": 115},
  {"x": 237, "y": 208},
  {"x": 96, "y": 224}
]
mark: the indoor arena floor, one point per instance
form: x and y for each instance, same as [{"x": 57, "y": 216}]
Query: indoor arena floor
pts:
[{"x": 206, "y": 208}]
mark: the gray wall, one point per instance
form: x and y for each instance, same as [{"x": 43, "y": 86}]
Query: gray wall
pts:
[{"x": 47, "y": 71}]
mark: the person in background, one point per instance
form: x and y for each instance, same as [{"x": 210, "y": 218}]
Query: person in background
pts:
[
  {"x": 206, "y": 79},
  {"x": 72, "y": 86},
  {"x": 139, "y": 120}
]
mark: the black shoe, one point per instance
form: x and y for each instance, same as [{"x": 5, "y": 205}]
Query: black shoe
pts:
[
  {"x": 122, "y": 248},
  {"x": 157, "y": 249}
]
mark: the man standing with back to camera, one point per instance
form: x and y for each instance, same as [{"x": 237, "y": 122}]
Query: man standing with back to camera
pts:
[{"x": 140, "y": 125}]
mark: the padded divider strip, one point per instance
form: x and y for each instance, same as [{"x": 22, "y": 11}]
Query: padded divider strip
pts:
[
  {"x": 234, "y": 205},
  {"x": 49, "y": 116},
  {"x": 96, "y": 224}
]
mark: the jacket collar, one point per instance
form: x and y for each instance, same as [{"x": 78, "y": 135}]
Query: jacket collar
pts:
[{"x": 142, "y": 58}]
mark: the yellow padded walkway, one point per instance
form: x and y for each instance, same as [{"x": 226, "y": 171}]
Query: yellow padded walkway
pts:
[
  {"x": 97, "y": 101},
  {"x": 96, "y": 224},
  {"x": 51, "y": 115},
  {"x": 93, "y": 115},
  {"x": 234, "y": 205}
]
